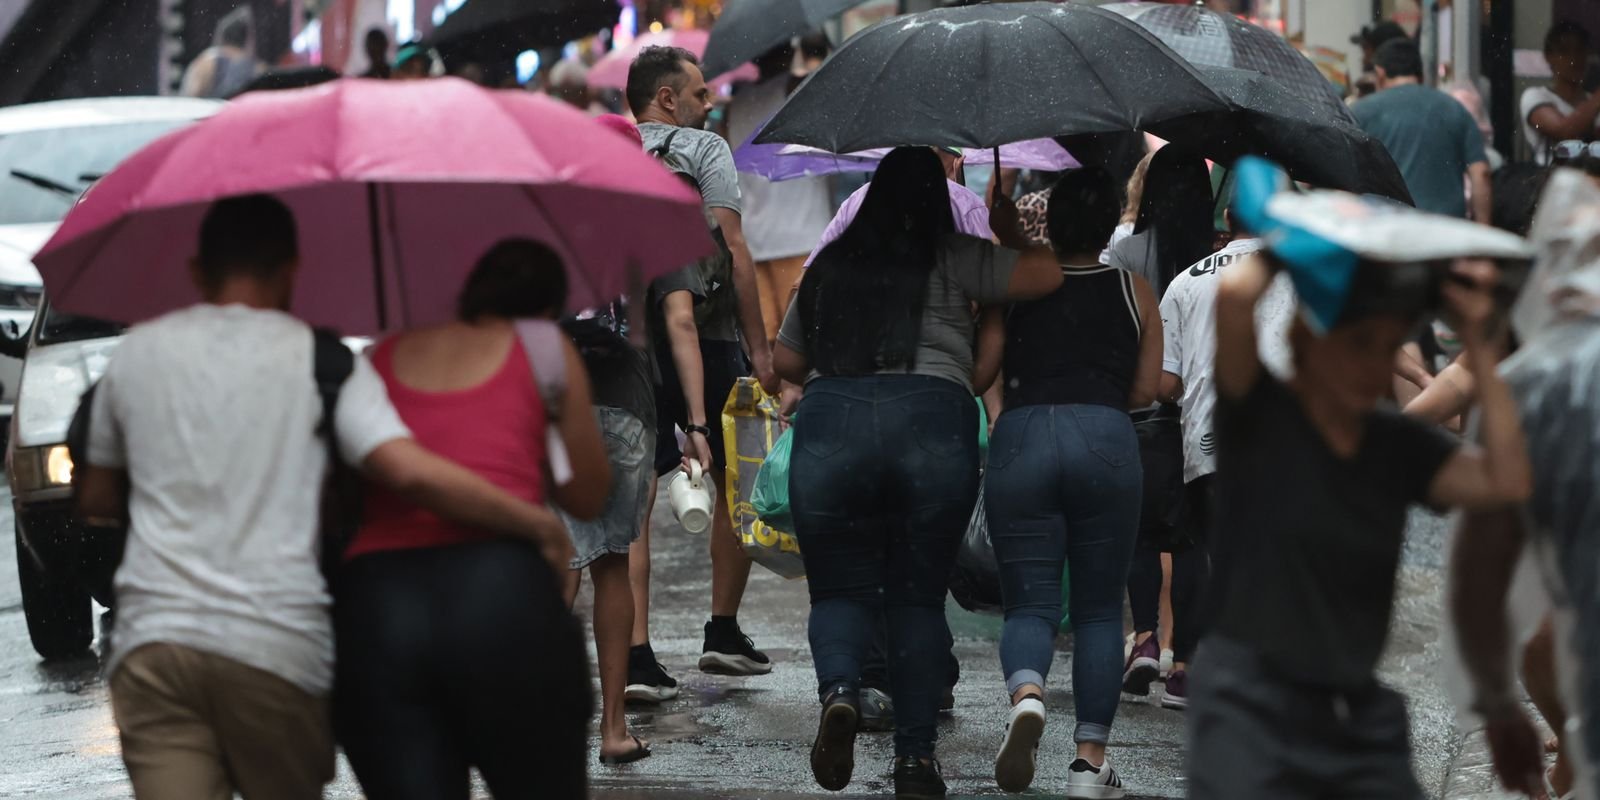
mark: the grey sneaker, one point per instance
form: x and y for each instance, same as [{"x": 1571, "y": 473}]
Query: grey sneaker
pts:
[{"x": 877, "y": 712}]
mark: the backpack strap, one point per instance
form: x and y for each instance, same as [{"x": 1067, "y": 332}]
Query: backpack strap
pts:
[
  {"x": 661, "y": 150},
  {"x": 542, "y": 342},
  {"x": 331, "y": 365}
]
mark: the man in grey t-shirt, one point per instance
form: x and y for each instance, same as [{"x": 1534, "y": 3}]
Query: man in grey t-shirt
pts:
[{"x": 669, "y": 97}]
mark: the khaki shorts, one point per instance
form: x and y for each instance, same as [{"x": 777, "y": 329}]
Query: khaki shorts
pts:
[
  {"x": 775, "y": 280},
  {"x": 197, "y": 725}
]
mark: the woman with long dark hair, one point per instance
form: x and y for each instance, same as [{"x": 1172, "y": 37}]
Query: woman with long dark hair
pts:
[
  {"x": 1176, "y": 224},
  {"x": 885, "y": 463}
]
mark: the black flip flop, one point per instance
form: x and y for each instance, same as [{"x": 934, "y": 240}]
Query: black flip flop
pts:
[{"x": 640, "y": 752}]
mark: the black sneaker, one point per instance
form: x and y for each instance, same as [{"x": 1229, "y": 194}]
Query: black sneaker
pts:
[
  {"x": 877, "y": 711},
  {"x": 915, "y": 779},
  {"x": 833, "y": 754},
  {"x": 648, "y": 681},
  {"x": 729, "y": 652}
]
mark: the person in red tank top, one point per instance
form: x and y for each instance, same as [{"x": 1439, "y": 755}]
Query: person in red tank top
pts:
[{"x": 451, "y": 639}]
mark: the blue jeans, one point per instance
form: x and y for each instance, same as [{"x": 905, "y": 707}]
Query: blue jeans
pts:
[
  {"x": 1064, "y": 485},
  {"x": 883, "y": 478}
]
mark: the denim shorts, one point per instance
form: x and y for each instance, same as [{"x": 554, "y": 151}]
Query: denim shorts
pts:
[{"x": 630, "y": 447}]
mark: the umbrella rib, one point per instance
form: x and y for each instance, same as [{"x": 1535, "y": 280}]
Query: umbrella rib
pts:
[
  {"x": 109, "y": 232},
  {"x": 399, "y": 255},
  {"x": 111, "y": 228},
  {"x": 1155, "y": 42},
  {"x": 561, "y": 239},
  {"x": 899, "y": 48},
  {"x": 1096, "y": 72}
]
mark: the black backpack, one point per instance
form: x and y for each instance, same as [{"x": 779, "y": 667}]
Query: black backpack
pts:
[
  {"x": 342, "y": 490},
  {"x": 716, "y": 270},
  {"x": 331, "y": 365}
]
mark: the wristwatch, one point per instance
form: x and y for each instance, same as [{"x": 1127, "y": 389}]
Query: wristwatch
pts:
[{"x": 700, "y": 429}]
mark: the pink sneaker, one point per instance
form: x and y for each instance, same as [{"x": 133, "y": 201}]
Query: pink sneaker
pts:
[{"x": 1177, "y": 694}]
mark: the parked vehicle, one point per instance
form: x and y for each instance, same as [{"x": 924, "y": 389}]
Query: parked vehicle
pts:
[{"x": 49, "y": 154}]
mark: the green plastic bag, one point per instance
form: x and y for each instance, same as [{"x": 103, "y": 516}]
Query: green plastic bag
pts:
[
  {"x": 983, "y": 432},
  {"x": 771, "y": 494}
]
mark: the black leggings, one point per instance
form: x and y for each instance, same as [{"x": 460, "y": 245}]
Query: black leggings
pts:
[
  {"x": 1191, "y": 573},
  {"x": 1144, "y": 587},
  {"x": 455, "y": 657}
]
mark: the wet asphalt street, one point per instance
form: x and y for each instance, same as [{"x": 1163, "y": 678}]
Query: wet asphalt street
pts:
[{"x": 725, "y": 737}]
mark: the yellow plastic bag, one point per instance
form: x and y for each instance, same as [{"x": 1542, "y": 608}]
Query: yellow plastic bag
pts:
[{"x": 749, "y": 429}]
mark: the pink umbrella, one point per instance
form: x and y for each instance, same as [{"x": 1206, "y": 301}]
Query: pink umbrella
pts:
[
  {"x": 611, "y": 71},
  {"x": 397, "y": 189}
]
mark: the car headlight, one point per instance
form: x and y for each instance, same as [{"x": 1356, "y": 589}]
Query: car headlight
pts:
[{"x": 37, "y": 468}]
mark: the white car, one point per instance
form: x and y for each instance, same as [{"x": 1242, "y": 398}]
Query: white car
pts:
[{"x": 49, "y": 154}]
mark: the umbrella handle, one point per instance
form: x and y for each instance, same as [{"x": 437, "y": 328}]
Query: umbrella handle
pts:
[{"x": 995, "y": 198}]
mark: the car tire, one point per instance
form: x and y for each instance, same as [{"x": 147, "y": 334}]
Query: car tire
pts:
[{"x": 60, "y": 617}]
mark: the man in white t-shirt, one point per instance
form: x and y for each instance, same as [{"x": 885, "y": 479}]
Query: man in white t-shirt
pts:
[
  {"x": 204, "y": 437},
  {"x": 782, "y": 219},
  {"x": 1563, "y": 110},
  {"x": 1189, "y": 327}
]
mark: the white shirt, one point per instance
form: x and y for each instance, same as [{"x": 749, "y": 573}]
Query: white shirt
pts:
[
  {"x": 1122, "y": 231},
  {"x": 1189, "y": 329},
  {"x": 1532, "y": 99},
  {"x": 213, "y": 411},
  {"x": 782, "y": 219}
]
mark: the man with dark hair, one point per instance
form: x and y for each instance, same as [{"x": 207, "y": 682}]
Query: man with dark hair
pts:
[
  {"x": 1373, "y": 37},
  {"x": 1433, "y": 139},
  {"x": 204, "y": 440},
  {"x": 669, "y": 97},
  {"x": 377, "y": 47}
]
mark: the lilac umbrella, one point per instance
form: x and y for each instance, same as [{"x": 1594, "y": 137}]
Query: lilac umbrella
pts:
[{"x": 782, "y": 162}]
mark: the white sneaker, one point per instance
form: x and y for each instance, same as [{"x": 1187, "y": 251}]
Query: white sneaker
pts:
[
  {"x": 1019, "y": 753},
  {"x": 1088, "y": 782},
  {"x": 1166, "y": 663}
]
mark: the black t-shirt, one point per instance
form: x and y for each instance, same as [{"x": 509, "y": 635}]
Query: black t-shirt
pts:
[
  {"x": 1308, "y": 543},
  {"x": 686, "y": 279}
]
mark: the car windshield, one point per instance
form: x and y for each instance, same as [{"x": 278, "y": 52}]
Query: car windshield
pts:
[
  {"x": 67, "y": 159},
  {"x": 60, "y": 327}
]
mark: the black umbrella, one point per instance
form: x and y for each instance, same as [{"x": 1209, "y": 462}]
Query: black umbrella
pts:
[
  {"x": 748, "y": 28},
  {"x": 498, "y": 29},
  {"x": 1313, "y": 142},
  {"x": 987, "y": 75},
  {"x": 1208, "y": 38},
  {"x": 289, "y": 78}
]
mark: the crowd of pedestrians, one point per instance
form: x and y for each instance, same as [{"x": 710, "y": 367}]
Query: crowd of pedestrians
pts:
[{"x": 1168, "y": 426}]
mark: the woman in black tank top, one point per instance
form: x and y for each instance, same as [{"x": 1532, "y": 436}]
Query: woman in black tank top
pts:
[{"x": 1064, "y": 478}]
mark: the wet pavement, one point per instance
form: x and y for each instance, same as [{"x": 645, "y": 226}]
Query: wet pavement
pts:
[{"x": 735, "y": 738}]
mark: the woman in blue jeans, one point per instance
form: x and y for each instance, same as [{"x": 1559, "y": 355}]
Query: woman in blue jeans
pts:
[
  {"x": 885, "y": 463},
  {"x": 1064, "y": 480}
]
